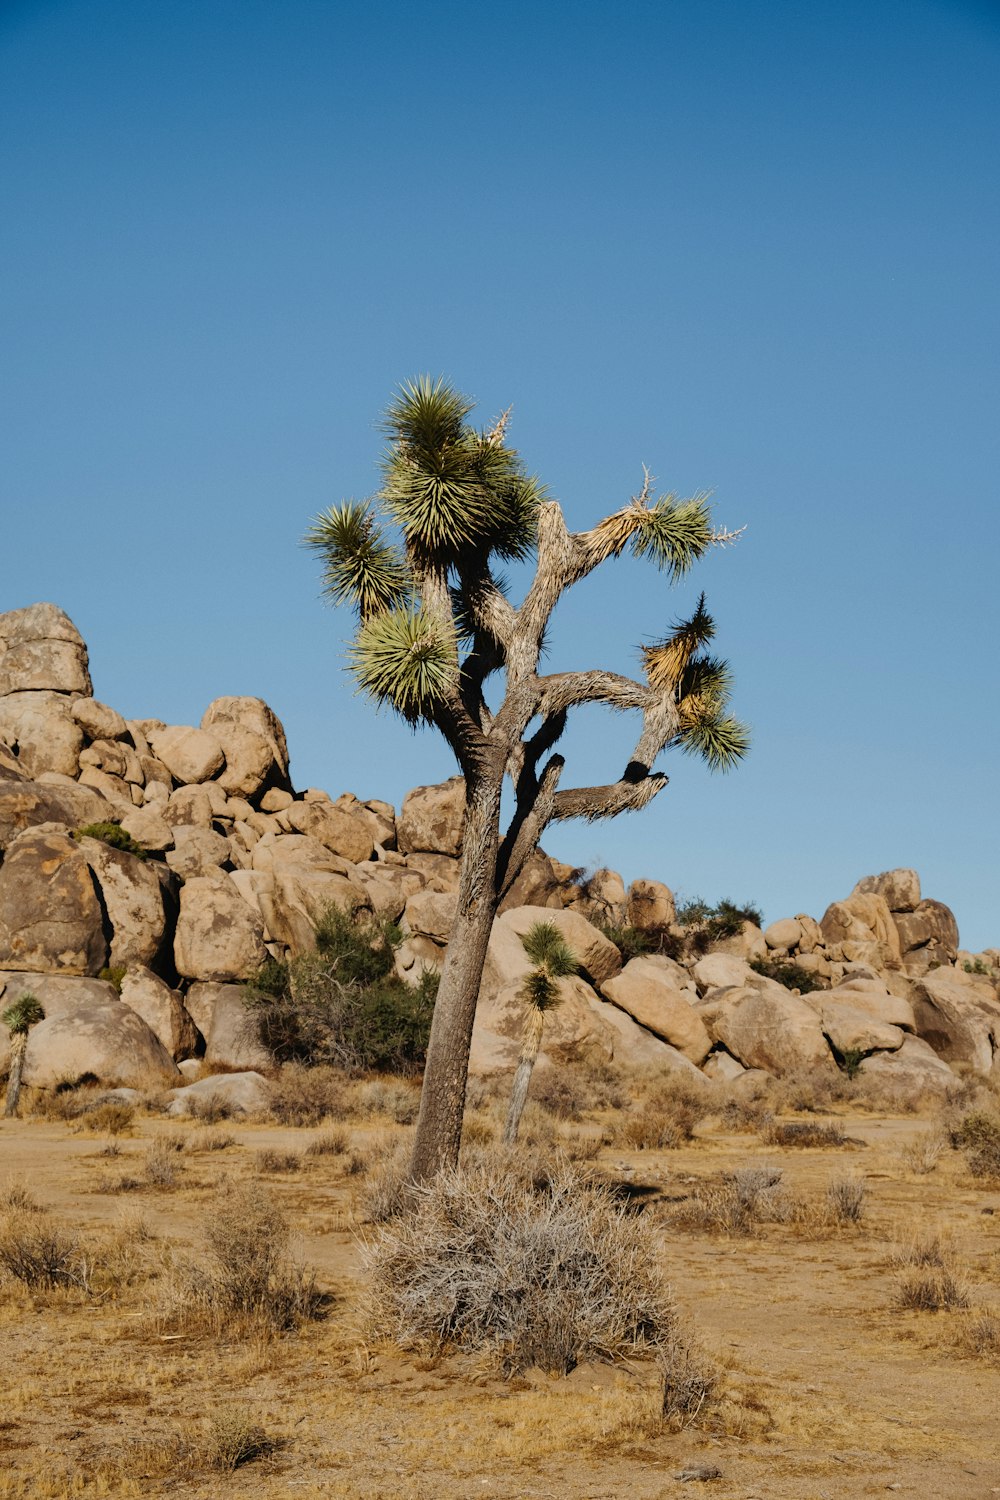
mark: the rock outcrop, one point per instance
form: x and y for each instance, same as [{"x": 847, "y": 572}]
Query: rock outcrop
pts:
[{"x": 137, "y": 941}]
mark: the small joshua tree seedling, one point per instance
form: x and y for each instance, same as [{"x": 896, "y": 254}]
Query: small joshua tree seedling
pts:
[
  {"x": 547, "y": 948},
  {"x": 19, "y": 1019}
]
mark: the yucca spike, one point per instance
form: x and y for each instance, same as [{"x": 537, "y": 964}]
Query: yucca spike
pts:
[{"x": 665, "y": 663}]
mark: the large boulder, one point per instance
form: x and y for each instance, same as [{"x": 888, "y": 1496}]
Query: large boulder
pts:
[
  {"x": 860, "y": 921},
  {"x": 132, "y": 898},
  {"x": 97, "y": 720},
  {"x": 958, "y": 1017},
  {"x": 161, "y": 1008},
  {"x": 645, "y": 992},
  {"x": 719, "y": 971},
  {"x": 349, "y": 835},
  {"x": 785, "y": 933},
  {"x": 930, "y": 924},
  {"x": 297, "y": 898},
  {"x": 431, "y": 913},
  {"x": 198, "y": 851},
  {"x": 900, "y": 889},
  {"x": 50, "y": 916},
  {"x": 873, "y": 998},
  {"x": 24, "y": 804},
  {"x": 190, "y": 755},
  {"x": 850, "y": 1028},
  {"x": 432, "y": 818},
  {"x": 40, "y": 648},
  {"x": 41, "y": 728},
  {"x": 101, "y": 1039},
  {"x": 253, "y": 741},
  {"x": 507, "y": 963},
  {"x": 57, "y": 994},
  {"x": 914, "y": 1069},
  {"x": 230, "y": 1030},
  {"x": 748, "y": 943},
  {"x": 772, "y": 1029},
  {"x": 650, "y": 905},
  {"x": 219, "y": 935}
]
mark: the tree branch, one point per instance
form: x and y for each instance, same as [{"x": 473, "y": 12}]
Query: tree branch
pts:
[
  {"x": 563, "y": 690},
  {"x": 636, "y": 788},
  {"x": 531, "y": 817}
]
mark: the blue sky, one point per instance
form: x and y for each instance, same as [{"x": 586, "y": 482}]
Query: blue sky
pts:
[{"x": 752, "y": 245}]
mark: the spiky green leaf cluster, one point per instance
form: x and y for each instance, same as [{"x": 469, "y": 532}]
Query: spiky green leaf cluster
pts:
[
  {"x": 405, "y": 659},
  {"x": 361, "y": 568},
  {"x": 720, "y": 740},
  {"x": 449, "y": 487},
  {"x": 545, "y": 945},
  {"x": 675, "y": 533},
  {"x": 23, "y": 1014}
]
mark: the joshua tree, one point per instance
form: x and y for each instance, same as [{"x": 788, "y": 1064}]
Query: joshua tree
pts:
[
  {"x": 549, "y": 952},
  {"x": 18, "y": 1019},
  {"x": 434, "y": 622}
]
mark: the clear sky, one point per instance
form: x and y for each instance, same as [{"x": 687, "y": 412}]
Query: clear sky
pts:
[{"x": 752, "y": 245}]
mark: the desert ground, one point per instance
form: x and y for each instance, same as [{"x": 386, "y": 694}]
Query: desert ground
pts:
[{"x": 827, "y": 1385}]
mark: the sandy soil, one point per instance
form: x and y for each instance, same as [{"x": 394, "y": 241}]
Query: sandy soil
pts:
[{"x": 836, "y": 1393}]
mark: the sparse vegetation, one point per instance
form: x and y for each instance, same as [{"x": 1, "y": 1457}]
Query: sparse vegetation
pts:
[
  {"x": 793, "y": 976},
  {"x": 344, "y": 1003},
  {"x": 804, "y": 1134},
  {"x": 112, "y": 835},
  {"x": 712, "y": 924},
  {"x": 978, "y": 1135},
  {"x": 846, "y": 1197},
  {"x": 531, "y": 1274}
]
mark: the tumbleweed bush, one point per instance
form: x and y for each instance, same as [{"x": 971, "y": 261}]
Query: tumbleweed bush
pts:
[{"x": 531, "y": 1273}]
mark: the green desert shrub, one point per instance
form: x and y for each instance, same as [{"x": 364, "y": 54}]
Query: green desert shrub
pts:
[
  {"x": 344, "y": 1004},
  {"x": 785, "y": 972},
  {"x": 112, "y": 835},
  {"x": 710, "y": 924}
]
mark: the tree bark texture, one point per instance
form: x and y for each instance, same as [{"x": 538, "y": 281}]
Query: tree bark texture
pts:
[
  {"x": 532, "y": 1041},
  {"x": 442, "y": 1100}
]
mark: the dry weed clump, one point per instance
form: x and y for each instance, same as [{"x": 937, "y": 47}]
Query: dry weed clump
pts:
[
  {"x": 531, "y": 1275},
  {"x": 981, "y": 1334},
  {"x": 308, "y": 1096},
  {"x": 333, "y": 1142},
  {"x": 211, "y": 1140},
  {"x": 738, "y": 1204},
  {"x": 235, "y": 1438},
  {"x": 666, "y": 1121},
  {"x": 845, "y": 1197},
  {"x": 40, "y": 1255},
  {"x": 389, "y": 1096},
  {"x": 922, "y": 1155},
  {"x": 112, "y": 1117},
  {"x": 270, "y": 1160},
  {"x": 15, "y": 1195},
  {"x": 804, "y": 1134},
  {"x": 927, "y": 1277},
  {"x": 690, "y": 1380},
  {"x": 246, "y": 1284},
  {"x": 977, "y": 1134}
]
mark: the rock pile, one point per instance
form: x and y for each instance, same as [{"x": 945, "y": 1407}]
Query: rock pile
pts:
[{"x": 138, "y": 957}]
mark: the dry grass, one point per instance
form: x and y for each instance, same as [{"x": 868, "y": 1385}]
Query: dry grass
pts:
[
  {"x": 931, "y": 1289},
  {"x": 804, "y": 1134},
  {"x": 846, "y": 1198},
  {"x": 333, "y": 1142},
  {"x": 245, "y": 1285},
  {"x": 113, "y": 1117},
  {"x": 739, "y": 1203},
  {"x": 923, "y": 1154},
  {"x": 210, "y": 1140},
  {"x": 271, "y": 1160},
  {"x": 308, "y": 1096},
  {"x": 40, "y": 1255}
]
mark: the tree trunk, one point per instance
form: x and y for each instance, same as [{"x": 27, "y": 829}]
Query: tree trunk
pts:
[
  {"x": 442, "y": 1101},
  {"x": 18, "y": 1044},
  {"x": 533, "y": 1025}
]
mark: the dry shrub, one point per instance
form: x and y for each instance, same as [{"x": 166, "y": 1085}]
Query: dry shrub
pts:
[
  {"x": 531, "y": 1275},
  {"x": 400, "y": 1101},
  {"x": 690, "y": 1380},
  {"x": 308, "y": 1096},
  {"x": 804, "y": 1134},
  {"x": 922, "y": 1154},
  {"x": 931, "y": 1289},
  {"x": 211, "y": 1140},
  {"x": 387, "y": 1173},
  {"x": 210, "y": 1108},
  {"x": 15, "y": 1195},
  {"x": 160, "y": 1167},
  {"x": 845, "y": 1198},
  {"x": 245, "y": 1284},
  {"x": 668, "y": 1119},
  {"x": 978, "y": 1135},
  {"x": 981, "y": 1334},
  {"x": 928, "y": 1279},
  {"x": 235, "y": 1438},
  {"x": 270, "y": 1160},
  {"x": 334, "y": 1142},
  {"x": 40, "y": 1255},
  {"x": 66, "y": 1102},
  {"x": 112, "y": 1117},
  {"x": 739, "y": 1203}
]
